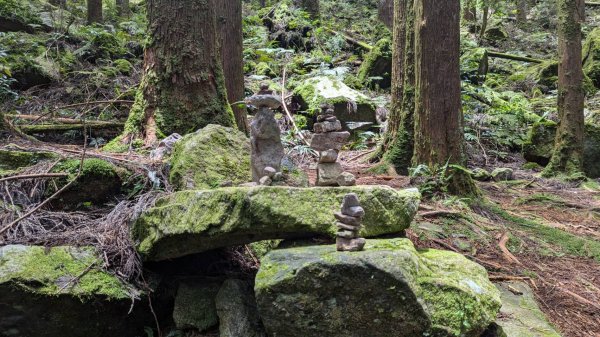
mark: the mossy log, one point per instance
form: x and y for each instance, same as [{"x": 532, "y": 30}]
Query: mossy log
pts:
[
  {"x": 44, "y": 128},
  {"x": 512, "y": 57},
  {"x": 352, "y": 40}
]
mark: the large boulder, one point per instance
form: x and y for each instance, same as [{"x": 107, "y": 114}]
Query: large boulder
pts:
[
  {"x": 195, "y": 304},
  {"x": 540, "y": 143},
  {"x": 389, "y": 289},
  {"x": 191, "y": 222},
  {"x": 520, "y": 315},
  {"x": 52, "y": 292},
  {"x": 350, "y": 106},
  {"x": 209, "y": 157},
  {"x": 13, "y": 161},
  {"x": 238, "y": 315}
]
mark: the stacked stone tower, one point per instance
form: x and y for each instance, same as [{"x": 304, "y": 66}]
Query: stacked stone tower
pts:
[{"x": 349, "y": 224}]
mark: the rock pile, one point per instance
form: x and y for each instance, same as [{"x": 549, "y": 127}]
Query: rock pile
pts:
[
  {"x": 265, "y": 139},
  {"x": 328, "y": 140},
  {"x": 349, "y": 223}
]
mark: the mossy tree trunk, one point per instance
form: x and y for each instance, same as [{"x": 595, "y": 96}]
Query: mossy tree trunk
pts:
[
  {"x": 229, "y": 15},
  {"x": 485, "y": 9},
  {"x": 400, "y": 135},
  {"x": 123, "y": 9},
  {"x": 470, "y": 10},
  {"x": 183, "y": 87},
  {"x": 385, "y": 11},
  {"x": 567, "y": 157},
  {"x": 94, "y": 11},
  {"x": 439, "y": 136}
]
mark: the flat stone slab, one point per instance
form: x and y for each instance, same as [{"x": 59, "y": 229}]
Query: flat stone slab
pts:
[
  {"x": 190, "y": 222},
  {"x": 329, "y": 141},
  {"x": 520, "y": 314}
]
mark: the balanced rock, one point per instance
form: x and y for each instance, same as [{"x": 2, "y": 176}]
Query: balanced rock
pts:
[
  {"x": 190, "y": 222},
  {"x": 328, "y": 173},
  {"x": 349, "y": 225},
  {"x": 329, "y": 156},
  {"x": 329, "y": 141},
  {"x": 390, "y": 289}
]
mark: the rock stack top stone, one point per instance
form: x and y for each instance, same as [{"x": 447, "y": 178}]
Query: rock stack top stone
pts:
[{"x": 265, "y": 98}]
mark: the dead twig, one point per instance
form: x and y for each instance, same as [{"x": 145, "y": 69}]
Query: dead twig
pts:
[
  {"x": 287, "y": 111},
  {"x": 76, "y": 279},
  {"x": 35, "y": 176},
  {"x": 505, "y": 252}
]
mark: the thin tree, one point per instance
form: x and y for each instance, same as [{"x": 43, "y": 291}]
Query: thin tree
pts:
[
  {"x": 567, "y": 157},
  {"x": 183, "y": 87},
  {"x": 94, "y": 11},
  {"x": 439, "y": 135},
  {"x": 399, "y": 137},
  {"x": 123, "y": 9},
  {"x": 231, "y": 40},
  {"x": 385, "y": 12}
]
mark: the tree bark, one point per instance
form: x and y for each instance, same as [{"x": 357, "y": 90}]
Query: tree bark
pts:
[
  {"x": 386, "y": 13},
  {"x": 94, "y": 11},
  {"x": 567, "y": 157},
  {"x": 522, "y": 11},
  {"x": 183, "y": 87},
  {"x": 400, "y": 135},
  {"x": 123, "y": 9},
  {"x": 439, "y": 135},
  {"x": 229, "y": 15}
]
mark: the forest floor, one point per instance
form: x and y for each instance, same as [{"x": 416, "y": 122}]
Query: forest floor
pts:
[{"x": 540, "y": 231}]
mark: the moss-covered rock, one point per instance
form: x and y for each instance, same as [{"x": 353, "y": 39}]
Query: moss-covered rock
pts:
[
  {"x": 349, "y": 104},
  {"x": 238, "y": 315},
  {"x": 377, "y": 66},
  {"x": 390, "y": 289},
  {"x": 520, "y": 314},
  {"x": 496, "y": 34},
  {"x": 53, "y": 292},
  {"x": 540, "y": 143},
  {"x": 545, "y": 75},
  {"x": 12, "y": 161},
  {"x": 591, "y": 56},
  {"x": 210, "y": 157},
  {"x": 195, "y": 304},
  {"x": 98, "y": 182},
  {"x": 190, "y": 222}
]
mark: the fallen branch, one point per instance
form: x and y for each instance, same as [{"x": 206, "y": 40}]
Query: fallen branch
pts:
[
  {"x": 507, "y": 254},
  {"x": 433, "y": 214},
  {"x": 287, "y": 111},
  {"x": 78, "y": 278},
  {"x": 513, "y": 57},
  {"x": 29, "y": 129},
  {"x": 96, "y": 103},
  {"x": 351, "y": 39},
  {"x": 34, "y": 176},
  {"x": 58, "y": 120}
]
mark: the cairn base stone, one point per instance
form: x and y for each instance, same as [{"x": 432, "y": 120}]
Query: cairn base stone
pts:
[
  {"x": 265, "y": 140},
  {"x": 327, "y": 174},
  {"x": 350, "y": 245}
]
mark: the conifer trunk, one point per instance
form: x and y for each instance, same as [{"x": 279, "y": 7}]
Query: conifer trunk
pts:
[
  {"x": 229, "y": 14},
  {"x": 399, "y": 138},
  {"x": 567, "y": 157},
  {"x": 183, "y": 87},
  {"x": 385, "y": 12},
  {"x": 123, "y": 9},
  {"x": 439, "y": 137},
  {"x": 94, "y": 11}
]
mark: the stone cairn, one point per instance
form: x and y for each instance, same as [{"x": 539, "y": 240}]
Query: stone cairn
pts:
[
  {"x": 265, "y": 139},
  {"x": 349, "y": 223},
  {"x": 328, "y": 141}
]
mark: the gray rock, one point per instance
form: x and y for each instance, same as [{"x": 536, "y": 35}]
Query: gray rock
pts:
[
  {"x": 278, "y": 176},
  {"x": 480, "y": 174},
  {"x": 265, "y": 141},
  {"x": 236, "y": 307},
  {"x": 343, "y": 226},
  {"x": 389, "y": 289},
  {"x": 350, "y": 200},
  {"x": 328, "y": 156},
  {"x": 347, "y": 234},
  {"x": 269, "y": 172},
  {"x": 346, "y": 179},
  {"x": 330, "y": 140},
  {"x": 265, "y": 181},
  {"x": 195, "y": 305},
  {"x": 327, "y": 126},
  {"x": 189, "y": 222},
  {"x": 267, "y": 101},
  {"x": 348, "y": 220},
  {"x": 165, "y": 147},
  {"x": 350, "y": 245},
  {"x": 356, "y": 212},
  {"x": 327, "y": 174},
  {"x": 520, "y": 314},
  {"x": 502, "y": 174}
]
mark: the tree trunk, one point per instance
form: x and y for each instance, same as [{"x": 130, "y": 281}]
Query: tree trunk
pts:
[
  {"x": 470, "y": 10},
  {"x": 229, "y": 15},
  {"x": 183, "y": 87},
  {"x": 522, "y": 11},
  {"x": 400, "y": 135},
  {"x": 386, "y": 12},
  {"x": 484, "y": 19},
  {"x": 94, "y": 11},
  {"x": 123, "y": 9},
  {"x": 310, "y": 6},
  {"x": 567, "y": 157},
  {"x": 439, "y": 135}
]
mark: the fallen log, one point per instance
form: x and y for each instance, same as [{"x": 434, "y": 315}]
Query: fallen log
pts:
[
  {"x": 512, "y": 57},
  {"x": 352, "y": 40},
  {"x": 43, "y": 128}
]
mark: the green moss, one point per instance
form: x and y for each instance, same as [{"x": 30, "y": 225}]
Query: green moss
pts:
[
  {"x": 123, "y": 66},
  {"x": 59, "y": 270},
  {"x": 12, "y": 161},
  {"x": 591, "y": 57},
  {"x": 539, "y": 198},
  {"x": 377, "y": 65}
]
